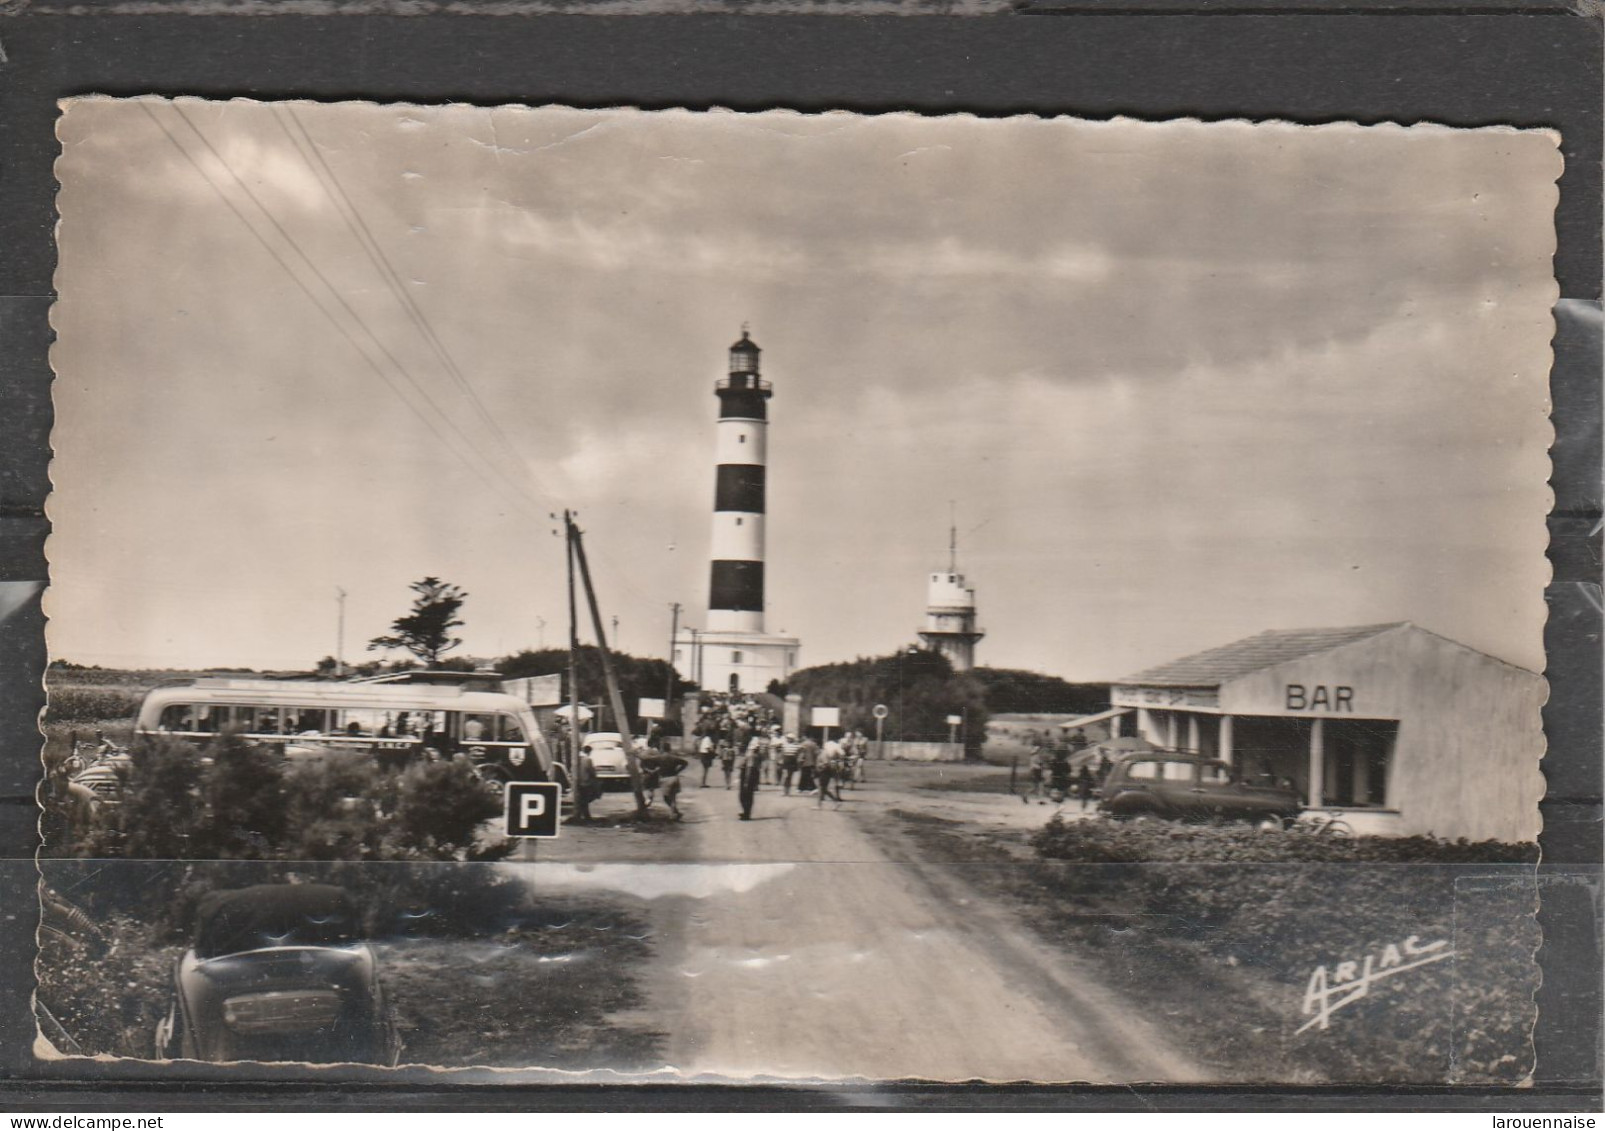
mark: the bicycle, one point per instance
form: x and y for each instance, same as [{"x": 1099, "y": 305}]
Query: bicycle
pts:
[{"x": 1329, "y": 823}]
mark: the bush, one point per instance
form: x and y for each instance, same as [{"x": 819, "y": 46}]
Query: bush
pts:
[
  {"x": 439, "y": 808},
  {"x": 919, "y": 687},
  {"x": 248, "y": 805},
  {"x": 1112, "y": 842},
  {"x": 333, "y": 808},
  {"x": 243, "y": 795},
  {"x": 160, "y": 816}
]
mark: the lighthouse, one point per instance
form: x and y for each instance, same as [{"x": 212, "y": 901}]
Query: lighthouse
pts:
[
  {"x": 950, "y": 612},
  {"x": 733, "y": 652}
]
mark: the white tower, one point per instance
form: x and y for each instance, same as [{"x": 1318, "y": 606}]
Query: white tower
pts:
[
  {"x": 950, "y": 613},
  {"x": 734, "y": 653}
]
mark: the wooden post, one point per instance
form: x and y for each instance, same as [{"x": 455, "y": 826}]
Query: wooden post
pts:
[
  {"x": 582, "y": 805},
  {"x": 616, "y": 700},
  {"x": 674, "y": 632}
]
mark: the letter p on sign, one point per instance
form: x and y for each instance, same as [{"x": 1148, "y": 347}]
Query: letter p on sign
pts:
[{"x": 532, "y": 808}]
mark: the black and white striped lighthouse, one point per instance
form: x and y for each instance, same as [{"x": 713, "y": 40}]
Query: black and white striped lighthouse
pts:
[
  {"x": 735, "y": 585},
  {"x": 733, "y": 652}
]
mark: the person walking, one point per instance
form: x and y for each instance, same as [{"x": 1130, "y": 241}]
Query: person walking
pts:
[
  {"x": 1037, "y": 772},
  {"x": 807, "y": 760},
  {"x": 1084, "y": 785},
  {"x": 861, "y": 753},
  {"x": 665, "y": 768},
  {"x": 586, "y": 786},
  {"x": 705, "y": 752},
  {"x": 772, "y": 759},
  {"x": 749, "y": 768},
  {"x": 727, "y": 759},
  {"x": 1059, "y": 777},
  {"x": 830, "y": 768},
  {"x": 789, "y": 753}
]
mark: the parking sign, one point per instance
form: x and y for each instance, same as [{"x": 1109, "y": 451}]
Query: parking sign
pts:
[{"x": 532, "y": 808}]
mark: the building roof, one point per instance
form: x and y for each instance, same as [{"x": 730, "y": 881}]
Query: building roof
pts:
[
  {"x": 1232, "y": 661},
  {"x": 745, "y": 345}
]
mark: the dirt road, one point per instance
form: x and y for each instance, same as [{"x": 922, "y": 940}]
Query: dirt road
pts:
[{"x": 819, "y": 956}]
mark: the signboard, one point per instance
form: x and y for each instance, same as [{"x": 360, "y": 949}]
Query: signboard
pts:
[
  {"x": 649, "y": 708},
  {"x": 825, "y": 716},
  {"x": 955, "y": 720},
  {"x": 536, "y": 690},
  {"x": 880, "y": 711},
  {"x": 531, "y": 809}
]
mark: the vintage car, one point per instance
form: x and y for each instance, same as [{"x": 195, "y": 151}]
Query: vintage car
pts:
[
  {"x": 278, "y": 972},
  {"x": 103, "y": 775},
  {"x": 606, "y": 749},
  {"x": 1181, "y": 788}
]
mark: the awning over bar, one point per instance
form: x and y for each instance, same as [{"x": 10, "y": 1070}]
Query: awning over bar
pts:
[{"x": 1101, "y": 716}]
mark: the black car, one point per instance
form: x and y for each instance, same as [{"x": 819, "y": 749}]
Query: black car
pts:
[
  {"x": 278, "y": 972},
  {"x": 1181, "y": 788}
]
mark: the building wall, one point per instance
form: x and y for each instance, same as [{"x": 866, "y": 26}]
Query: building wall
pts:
[
  {"x": 921, "y": 751},
  {"x": 763, "y": 658},
  {"x": 1470, "y": 735}
]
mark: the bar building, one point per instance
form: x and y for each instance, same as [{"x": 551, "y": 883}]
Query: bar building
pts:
[
  {"x": 734, "y": 653},
  {"x": 1404, "y": 731}
]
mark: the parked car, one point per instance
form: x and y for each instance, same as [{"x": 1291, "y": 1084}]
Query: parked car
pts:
[
  {"x": 606, "y": 749},
  {"x": 1181, "y": 788},
  {"x": 278, "y": 972},
  {"x": 103, "y": 778}
]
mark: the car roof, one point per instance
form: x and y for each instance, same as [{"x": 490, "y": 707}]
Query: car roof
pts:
[{"x": 227, "y": 922}]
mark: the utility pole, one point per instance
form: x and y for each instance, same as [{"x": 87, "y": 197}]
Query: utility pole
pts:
[
  {"x": 340, "y": 635},
  {"x": 573, "y": 680},
  {"x": 674, "y": 634},
  {"x": 615, "y": 699}
]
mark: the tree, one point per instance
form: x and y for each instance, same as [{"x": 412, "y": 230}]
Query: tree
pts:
[
  {"x": 919, "y": 686},
  {"x": 426, "y": 631},
  {"x": 639, "y": 677}
]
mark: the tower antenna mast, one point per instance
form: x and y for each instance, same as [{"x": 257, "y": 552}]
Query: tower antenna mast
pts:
[{"x": 952, "y": 537}]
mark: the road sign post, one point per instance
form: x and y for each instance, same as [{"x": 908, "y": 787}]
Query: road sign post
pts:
[
  {"x": 826, "y": 718},
  {"x": 880, "y": 712}
]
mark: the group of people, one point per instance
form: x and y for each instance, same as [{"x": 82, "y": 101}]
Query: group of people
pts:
[
  {"x": 752, "y": 757},
  {"x": 1052, "y": 778}
]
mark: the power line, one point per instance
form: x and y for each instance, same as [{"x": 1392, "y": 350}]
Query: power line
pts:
[
  {"x": 346, "y": 306},
  {"x": 322, "y": 308},
  {"x": 309, "y": 152}
]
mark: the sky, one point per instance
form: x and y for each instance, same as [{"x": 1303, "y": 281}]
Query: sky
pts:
[{"x": 1178, "y": 382}]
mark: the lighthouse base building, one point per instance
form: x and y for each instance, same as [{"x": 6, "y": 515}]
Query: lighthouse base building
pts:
[{"x": 738, "y": 662}]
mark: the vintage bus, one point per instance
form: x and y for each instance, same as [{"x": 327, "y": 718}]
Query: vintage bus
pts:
[{"x": 396, "y": 723}]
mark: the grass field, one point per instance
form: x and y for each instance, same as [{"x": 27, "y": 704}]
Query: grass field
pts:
[{"x": 1225, "y": 952}]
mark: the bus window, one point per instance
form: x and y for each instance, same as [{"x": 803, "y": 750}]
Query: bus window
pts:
[
  {"x": 509, "y": 729},
  {"x": 478, "y": 728},
  {"x": 177, "y": 717},
  {"x": 367, "y": 722},
  {"x": 308, "y": 720}
]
